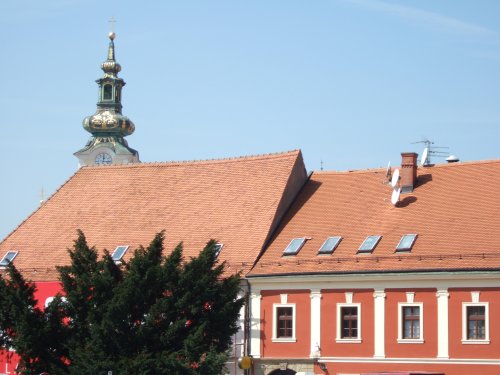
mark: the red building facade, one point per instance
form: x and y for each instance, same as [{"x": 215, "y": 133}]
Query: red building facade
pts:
[{"x": 352, "y": 284}]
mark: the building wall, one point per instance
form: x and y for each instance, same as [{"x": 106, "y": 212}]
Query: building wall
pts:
[
  {"x": 330, "y": 345},
  {"x": 440, "y": 347},
  {"x": 300, "y": 346}
]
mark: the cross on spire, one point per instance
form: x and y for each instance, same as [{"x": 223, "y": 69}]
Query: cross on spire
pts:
[{"x": 112, "y": 23}]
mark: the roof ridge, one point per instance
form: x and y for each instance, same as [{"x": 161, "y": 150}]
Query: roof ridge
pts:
[
  {"x": 39, "y": 206},
  {"x": 270, "y": 155},
  {"x": 419, "y": 167}
]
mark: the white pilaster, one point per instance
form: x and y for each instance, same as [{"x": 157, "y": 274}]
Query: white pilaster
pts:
[
  {"x": 442, "y": 316},
  {"x": 255, "y": 298},
  {"x": 315, "y": 323},
  {"x": 379, "y": 310}
]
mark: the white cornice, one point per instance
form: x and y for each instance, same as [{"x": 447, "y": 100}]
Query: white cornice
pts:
[{"x": 437, "y": 280}]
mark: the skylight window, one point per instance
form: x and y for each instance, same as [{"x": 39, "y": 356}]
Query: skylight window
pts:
[
  {"x": 119, "y": 253},
  {"x": 369, "y": 244},
  {"x": 8, "y": 258},
  {"x": 218, "y": 248},
  {"x": 330, "y": 245},
  {"x": 406, "y": 242},
  {"x": 294, "y": 246}
]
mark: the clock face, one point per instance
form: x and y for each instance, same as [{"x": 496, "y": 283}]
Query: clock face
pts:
[{"x": 103, "y": 159}]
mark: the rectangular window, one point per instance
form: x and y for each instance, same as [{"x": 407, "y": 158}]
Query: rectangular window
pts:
[
  {"x": 476, "y": 323},
  {"x": 8, "y": 258},
  {"x": 349, "y": 323},
  {"x": 294, "y": 246},
  {"x": 119, "y": 253},
  {"x": 369, "y": 244},
  {"x": 411, "y": 322},
  {"x": 284, "y": 322},
  {"x": 349, "y": 316},
  {"x": 330, "y": 245},
  {"x": 406, "y": 242}
]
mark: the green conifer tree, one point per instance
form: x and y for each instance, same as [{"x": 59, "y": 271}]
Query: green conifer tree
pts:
[{"x": 156, "y": 314}]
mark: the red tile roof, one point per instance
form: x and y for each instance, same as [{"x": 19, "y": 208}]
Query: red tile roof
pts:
[
  {"x": 235, "y": 201},
  {"x": 454, "y": 209}
]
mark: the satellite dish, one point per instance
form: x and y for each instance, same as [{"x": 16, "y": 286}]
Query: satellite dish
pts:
[
  {"x": 388, "y": 173},
  {"x": 395, "y": 195},
  {"x": 425, "y": 155},
  {"x": 395, "y": 178}
]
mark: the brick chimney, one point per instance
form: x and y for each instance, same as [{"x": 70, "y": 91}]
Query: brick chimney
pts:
[{"x": 408, "y": 172}]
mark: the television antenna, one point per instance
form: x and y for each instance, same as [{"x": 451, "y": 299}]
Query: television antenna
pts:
[
  {"x": 429, "y": 151},
  {"x": 388, "y": 172}
]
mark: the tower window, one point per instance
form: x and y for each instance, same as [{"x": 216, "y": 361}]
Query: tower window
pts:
[{"x": 107, "y": 92}]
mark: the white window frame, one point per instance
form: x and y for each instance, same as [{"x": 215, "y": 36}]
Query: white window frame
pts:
[
  {"x": 275, "y": 323},
  {"x": 486, "y": 339},
  {"x": 401, "y": 339},
  {"x": 338, "y": 337}
]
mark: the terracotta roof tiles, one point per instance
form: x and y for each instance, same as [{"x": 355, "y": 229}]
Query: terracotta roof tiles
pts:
[
  {"x": 454, "y": 209},
  {"x": 235, "y": 201}
]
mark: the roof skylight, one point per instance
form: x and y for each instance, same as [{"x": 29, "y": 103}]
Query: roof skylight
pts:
[
  {"x": 294, "y": 246},
  {"x": 369, "y": 244},
  {"x": 8, "y": 258},
  {"x": 119, "y": 253},
  {"x": 406, "y": 242},
  {"x": 218, "y": 247},
  {"x": 330, "y": 245}
]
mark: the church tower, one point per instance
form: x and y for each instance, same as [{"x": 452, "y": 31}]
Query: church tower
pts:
[{"x": 108, "y": 126}]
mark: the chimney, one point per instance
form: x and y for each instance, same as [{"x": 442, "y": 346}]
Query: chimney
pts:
[{"x": 408, "y": 173}]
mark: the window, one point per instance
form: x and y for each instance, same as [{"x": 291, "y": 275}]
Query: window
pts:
[
  {"x": 406, "y": 242},
  {"x": 218, "y": 247},
  {"x": 107, "y": 92},
  {"x": 369, "y": 244},
  {"x": 410, "y": 322},
  {"x": 348, "y": 323},
  {"x": 294, "y": 246},
  {"x": 119, "y": 253},
  {"x": 284, "y": 322},
  {"x": 330, "y": 245},
  {"x": 475, "y": 323},
  {"x": 8, "y": 258}
]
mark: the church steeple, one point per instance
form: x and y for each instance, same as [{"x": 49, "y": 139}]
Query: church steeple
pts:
[{"x": 108, "y": 126}]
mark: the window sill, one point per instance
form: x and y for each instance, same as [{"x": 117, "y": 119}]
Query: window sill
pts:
[
  {"x": 411, "y": 341},
  {"x": 283, "y": 339},
  {"x": 475, "y": 342},
  {"x": 348, "y": 341}
]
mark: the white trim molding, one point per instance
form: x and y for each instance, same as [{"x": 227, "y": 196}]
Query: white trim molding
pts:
[
  {"x": 255, "y": 298},
  {"x": 315, "y": 323},
  {"x": 379, "y": 316},
  {"x": 442, "y": 322}
]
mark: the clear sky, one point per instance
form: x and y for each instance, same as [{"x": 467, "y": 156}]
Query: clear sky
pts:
[{"x": 351, "y": 83}]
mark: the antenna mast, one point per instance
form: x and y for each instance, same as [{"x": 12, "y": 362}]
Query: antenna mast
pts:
[{"x": 431, "y": 150}]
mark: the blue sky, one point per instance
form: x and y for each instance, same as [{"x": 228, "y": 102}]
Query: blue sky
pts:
[{"x": 350, "y": 82}]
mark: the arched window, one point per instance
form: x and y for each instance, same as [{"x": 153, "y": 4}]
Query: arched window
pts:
[{"x": 107, "y": 92}]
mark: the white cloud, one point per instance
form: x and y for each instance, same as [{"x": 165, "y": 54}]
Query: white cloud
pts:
[{"x": 446, "y": 23}]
